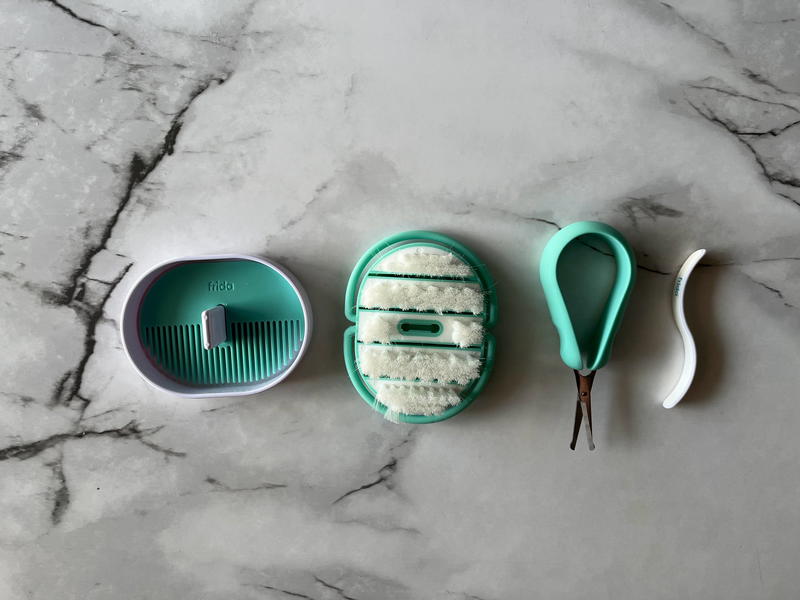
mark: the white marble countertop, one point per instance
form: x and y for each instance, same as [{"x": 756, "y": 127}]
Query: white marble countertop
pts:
[{"x": 306, "y": 131}]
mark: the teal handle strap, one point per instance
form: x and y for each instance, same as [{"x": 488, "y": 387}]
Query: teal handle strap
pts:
[{"x": 614, "y": 308}]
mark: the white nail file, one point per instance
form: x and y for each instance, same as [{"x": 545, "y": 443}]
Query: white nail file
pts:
[{"x": 689, "y": 349}]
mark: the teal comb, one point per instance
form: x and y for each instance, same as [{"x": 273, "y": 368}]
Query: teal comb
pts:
[{"x": 213, "y": 326}]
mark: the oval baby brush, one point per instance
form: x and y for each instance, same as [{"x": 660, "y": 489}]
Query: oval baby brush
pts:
[
  {"x": 689, "y": 349},
  {"x": 224, "y": 325},
  {"x": 419, "y": 350}
]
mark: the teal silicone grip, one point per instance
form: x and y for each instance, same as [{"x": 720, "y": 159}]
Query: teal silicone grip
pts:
[{"x": 597, "y": 354}]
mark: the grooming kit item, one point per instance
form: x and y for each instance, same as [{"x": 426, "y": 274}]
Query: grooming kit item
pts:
[
  {"x": 223, "y": 325},
  {"x": 422, "y": 305},
  {"x": 587, "y": 271},
  {"x": 689, "y": 350}
]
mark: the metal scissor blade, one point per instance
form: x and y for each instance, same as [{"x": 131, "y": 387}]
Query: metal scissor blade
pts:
[
  {"x": 587, "y": 408},
  {"x": 576, "y": 428},
  {"x": 584, "y": 405}
]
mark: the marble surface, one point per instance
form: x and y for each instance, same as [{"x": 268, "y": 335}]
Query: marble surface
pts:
[{"x": 305, "y": 131}]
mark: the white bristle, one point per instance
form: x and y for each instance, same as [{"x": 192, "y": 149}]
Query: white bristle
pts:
[
  {"x": 408, "y": 295},
  {"x": 467, "y": 334},
  {"x": 419, "y": 261},
  {"x": 425, "y": 365},
  {"x": 410, "y": 399},
  {"x": 377, "y": 329}
]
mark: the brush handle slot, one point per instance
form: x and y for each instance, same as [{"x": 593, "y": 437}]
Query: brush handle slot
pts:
[{"x": 419, "y": 327}]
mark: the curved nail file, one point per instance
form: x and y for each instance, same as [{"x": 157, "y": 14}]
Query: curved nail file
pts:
[
  {"x": 689, "y": 350},
  {"x": 422, "y": 304}
]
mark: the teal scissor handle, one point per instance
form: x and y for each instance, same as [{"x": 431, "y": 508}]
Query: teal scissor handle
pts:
[{"x": 590, "y": 353}]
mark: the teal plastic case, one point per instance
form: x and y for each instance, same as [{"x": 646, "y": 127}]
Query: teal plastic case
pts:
[{"x": 261, "y": 329}]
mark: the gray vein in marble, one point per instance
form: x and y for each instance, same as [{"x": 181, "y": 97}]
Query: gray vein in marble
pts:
[
  {"x": 336, "y": 589},
  {"x": 223, "y": 487},
  {"x": 68, "y": 387},
  {"x": 61, "y": 496},
  {"x": 736, "y": 94},
  {"x": 646, "y": 207},
  {"x": 139, "y": 170},
  {"x": 775, "y": 291},
  {"x": 386, "y": 472},
  {"x": 771, "y": 174},
  {"x": 762, "y": 80},
  {"x": 272, "y": 588},
  {"x": 131, "y": 430},
  {"x": 703, "y": 34}
]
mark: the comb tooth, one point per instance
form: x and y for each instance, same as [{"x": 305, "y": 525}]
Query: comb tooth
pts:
[
  {"x": 164, "y": 339},
  {"x": 223, "y": 375},
  {"x": 256, "y": 353},
  {"x": 212, "y": 359},
  {"x": 235, "y": 353},
  {"x": 189, "y": 353},
  {"x": 223, "y": 365},
  {"x": 277, "y": 346},
  {"x": 182, "y": 343},
  {"x": 206, "y": 361},
  {"x": 285, "y": 343},
  {"x": 240, "y": 354},
  {"x": 267, "y": 346},
  {"x": 180, "y": 356},
  {"x": 212, "y": 376},
  {"x": 228, "y": 364},
  {"x": 212, "y": 364},
  {"x": 259, "y": 350},
  {"x": 235, "y": 357},
  {"x": 162, "y": 347},
  {"x": 262, "y": 344},
  {"x": 276, "y": 340},
  {"x": 157, "y": 344},
  {"x": 173, "y": 354},
  {"x": 176, "y": 350},
  {"x": 248, "y": 353},
  {"x": 281, "y": 345},
  {"x": 253, "y": 351},
  {"x": 198, "y": 372},
  {"x": 278, "y": 343},
  {"x": 218, "y": 361},
  {"x": 165, "y": 357}
]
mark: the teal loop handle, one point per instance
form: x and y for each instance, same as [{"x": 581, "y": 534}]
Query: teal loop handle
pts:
[{"x": 615, "y": 305}]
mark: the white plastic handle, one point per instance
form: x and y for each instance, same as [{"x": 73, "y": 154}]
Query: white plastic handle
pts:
[{"x": 689, "y": 350}]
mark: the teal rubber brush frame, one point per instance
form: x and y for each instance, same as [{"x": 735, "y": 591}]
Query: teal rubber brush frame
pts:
[
  {"x": 573, "y": 353},
  {"x": 423, "y": 325},
  {"x": 217, "y": 325}
]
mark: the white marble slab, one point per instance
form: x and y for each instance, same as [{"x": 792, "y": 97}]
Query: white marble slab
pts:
[{"x": 136, "y": 132}]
